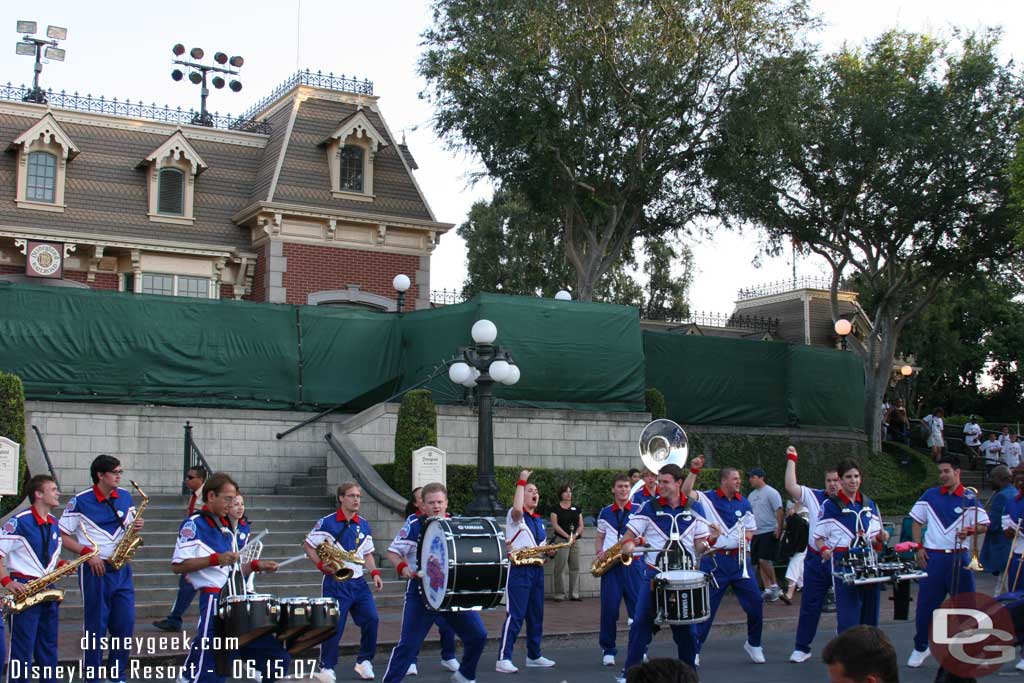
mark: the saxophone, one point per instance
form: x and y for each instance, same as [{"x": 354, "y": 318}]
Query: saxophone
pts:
[
  {"x": 612, "y": 557},
  {"x": 534, "y": 556},
  {"x": 36, "y": 592},
  {"x": 131, "y": 541},
  {"x": 329, "y": 553}
]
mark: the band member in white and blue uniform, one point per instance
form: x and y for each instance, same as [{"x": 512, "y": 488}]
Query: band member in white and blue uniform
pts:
[
  {"x": 850, "y": 523},
  {"x": 621, "y": 582},
  {"x": 729, "y": 514},
  {"x": 524, "y": 594},
  {"x": 350, "y": 532},
  {"x": 649, "y": 490},
  {"x": 951, "y": 515},
  {"x": 817, "y": 573},
  {"x": 1013, "y": 520},
  {"x": 105, "y": 511},
  {"x": 30, "y": 548},
  {"x": 194, "y": 479},
  {"x": 416, "y": 618},
  {"x": 205, "y": 553},
  {"x": 654, "y": 522}
]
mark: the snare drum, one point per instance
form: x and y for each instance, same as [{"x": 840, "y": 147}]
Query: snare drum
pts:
[
  {"x": 682, "y": 596},
  {"x": 323, "y": 619},
  {"x": 247, "y": 617},
  {"x": 294, "y": 619},
  {"x": 464, "y": 563}
]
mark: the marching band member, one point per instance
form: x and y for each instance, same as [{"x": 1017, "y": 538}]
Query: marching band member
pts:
[
  {"x": 524, "y": 593},
  {"x": 30, "y": 548},
  {"x": 730, "y": 514},
  {"x": 195, "y": 477},
  {"x": 817, "y": 574},
  {"x": 621, "y": 582},
  {"x": 850, "y": 520},
  {"x": 1013, "y": 513},
  {"x": 649, "y": 491},
  {"x": 653, "y": 522},
  {"x": 416, "y": 618},
  {"x": 206, "y": 550},
  {"x": 105, "y": 511},
  {"x": 951, "y": 515},
  {"x": 346, "y": 529}
]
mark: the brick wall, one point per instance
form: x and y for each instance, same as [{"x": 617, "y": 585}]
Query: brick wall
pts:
[
  {"x": 227, "y": 292},
  {"x": 315, "y": 269},
  {"x": 259, "y": 275}
]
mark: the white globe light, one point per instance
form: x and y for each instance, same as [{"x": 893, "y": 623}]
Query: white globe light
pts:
[
  {"x": 484, "y": 332},
  {"x": 843, "y": 327},
  {"x": 563, "y": 295},
  {"x": 499, "y": 370},
  {"x": 906, "y": 371},
  {"x": 460, "y": 372},
  {"x": 471, "y": 382},
  {"x": 401, "y": 283},
  {"x": 513, "y": 375}
]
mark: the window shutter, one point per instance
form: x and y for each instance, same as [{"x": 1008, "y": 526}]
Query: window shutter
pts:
[{"x": 171, "y": 192}]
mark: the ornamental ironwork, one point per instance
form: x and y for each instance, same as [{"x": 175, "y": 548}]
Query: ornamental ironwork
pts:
[
  {"x": 446, "y": 296},
  {"x": 318, "y": 79},
  {"x": 789, "y": 285},
  {"x": 756, "y": 323}
]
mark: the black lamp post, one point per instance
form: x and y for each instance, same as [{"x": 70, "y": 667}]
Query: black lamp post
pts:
[
  {"x": 843, "y": 328},
  {"x": 401, "y": 283},
  {"x": 480, "y": 366}
]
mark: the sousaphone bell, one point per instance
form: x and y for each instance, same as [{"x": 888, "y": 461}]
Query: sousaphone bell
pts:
[{"x": 663, "y": 442}]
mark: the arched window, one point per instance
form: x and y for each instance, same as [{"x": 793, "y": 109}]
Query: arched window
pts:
[
  {"x": 352, "y": 168},
  {"x": 171, "y": 192},
  {"x": 42, "y": 177}
]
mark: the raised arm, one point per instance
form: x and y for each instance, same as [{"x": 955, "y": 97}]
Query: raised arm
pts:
[
  {"x": 696, "y": 465},
  {"x": 520, "y": 496},
  {"x": 793, "y": 488}
]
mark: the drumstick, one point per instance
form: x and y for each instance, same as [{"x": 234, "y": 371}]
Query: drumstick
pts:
[{"x": 290, "y": 560}]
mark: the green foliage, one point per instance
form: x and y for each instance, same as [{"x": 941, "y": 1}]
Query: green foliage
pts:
[
  {"x": 655, "y": 403},
  {"x": 12, "y": 425},
  {"x": 416, "y": 428}
]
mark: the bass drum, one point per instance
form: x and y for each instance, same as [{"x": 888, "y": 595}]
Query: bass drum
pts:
[{"x": 463, "y": 563}]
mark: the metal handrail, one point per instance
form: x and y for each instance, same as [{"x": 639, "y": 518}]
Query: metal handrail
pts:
[
  {"x": 319, "y": 79},
  {"x": 789, "y": 285},
  {"x": 193, "y": 457},
  {"x": 46, "y": 453}
]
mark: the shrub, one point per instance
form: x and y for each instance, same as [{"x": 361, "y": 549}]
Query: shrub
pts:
[
  {"x": 12, "y": 425},
  {"x": 656, "y": 406},
  {"x": 416, "y": 428}
]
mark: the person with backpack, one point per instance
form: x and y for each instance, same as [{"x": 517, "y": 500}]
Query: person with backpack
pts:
[{"x": 795, "y": 533}]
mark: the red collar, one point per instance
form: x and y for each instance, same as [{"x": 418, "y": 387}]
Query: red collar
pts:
[
  {"x": 664, "y": 501},
  {"x": 650, "y": 493},
  {"x": 1020, "y": 494},
  {"x": 535, "y": 515},
  {"x": 39, "y": 520},
  {"x": 843, "y": 497},
  {"x": 223, "y": 520},
  {"x": 958, "y": 491},
  {"x": 627, "y": 507},
  {"x": 99, "y": 494},
  {"x": 721, "y": 494},
  {"x": 340, "y": 517}
]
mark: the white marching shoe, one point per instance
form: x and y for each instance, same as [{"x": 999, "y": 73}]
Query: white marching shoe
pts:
[
  {"x": 413, "y": 670},
  {"x": 608, "y": 660},
  {"x": 450, "y": 664},
  {"x": 799, "y": 656},
  {"x": 364, "y": 670},
  {"x": 756, "y": 654},
  {"x": 539, "y": 663},
  {"x": 696, "y": 659},
  {"x": 1020, "y": 665},
  {"x": 917, "y": 658},
  {"x": 324, "y": 677},
  {"x": 457, "y": 677},
  {"x": 505, "y": 666}
]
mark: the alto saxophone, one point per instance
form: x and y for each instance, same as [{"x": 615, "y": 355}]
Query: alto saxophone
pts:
[
  {"x": 131, "y": 541},
  {"x": 36, "y": 592},
  {"x": 534, "y": 556},
  {"x": 330, "y": 553},
  {"x": 612, "y": 557}
]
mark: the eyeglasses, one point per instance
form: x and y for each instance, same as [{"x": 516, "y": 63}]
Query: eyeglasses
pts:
[
  {"x": 118, "y": 472},
  {"x": 353, "y": 495}
]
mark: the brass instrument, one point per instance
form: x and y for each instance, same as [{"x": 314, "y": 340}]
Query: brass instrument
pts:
[
  {"x": 741, "y": 545},
  {"x": 36, "y": 592},
  {"x": 1001, "y": 584},
  {"x": 534, "y": 556},
  {"x": 332, "y": 554},
  {"x": 974, "y": 565},
  {"x": 663, "y": 442},
  {"x": 612, "y": 557},
  {"x": 131, "y": 541}
]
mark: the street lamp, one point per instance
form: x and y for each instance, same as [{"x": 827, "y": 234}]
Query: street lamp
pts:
[
  {"x": 563, "y": 295},
  {"x": 843, "y": 327},
  {"x": 906, "y": 371},
  {"x": 30, "y": 46},
  {"x": 480, "y": 366},
  {"x": 401, "y": 284}
]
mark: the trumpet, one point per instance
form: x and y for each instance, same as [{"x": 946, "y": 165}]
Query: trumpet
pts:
[
  {"x": 1002, "y": 585},
  {"x": 974, "y": 565},
  {"x": 741, "y": 544}
]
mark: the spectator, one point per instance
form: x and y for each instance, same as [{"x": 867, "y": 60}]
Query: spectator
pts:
[
  {"x": 935, "y": 425},
  {"x": 899, "y": 423},
  {"x": 634, "y": 476},
  {"x": 996, "y": 549},
  {"x": 886, "y": 410},
  {"x": 662, "y": 670},
  {"x": 861, "y": 654},
  {"x": 1004, "y": 436},
  {"x": 566, "y": 521},
  {"x": 992, "y": 451},
  {"x": 972, "y": 439},
  {"x": 412, "y": 507},
  {"x": 1011, "y": 451},
  {"x": 767, "y": 505},
  {"x": 794, "y": 546}
]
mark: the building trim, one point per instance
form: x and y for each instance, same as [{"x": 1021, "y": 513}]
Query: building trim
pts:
[
  {"x": 284, "y": 148},
  {"x": 254, "y": 209},
  {"x": 405, "y": 164},
  {"x": 100, "y": 240},
  {"x": 352, "y": 295},
  {"x": 791, "y": 296},
  {"x": 264, "y": 237},
  {"x": 806, "y": 296}
]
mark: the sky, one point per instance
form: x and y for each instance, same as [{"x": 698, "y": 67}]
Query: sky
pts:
[{"x": 123, "y": 49}]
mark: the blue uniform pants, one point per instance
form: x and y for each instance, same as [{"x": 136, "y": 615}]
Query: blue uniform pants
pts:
[
  {"x": 184, "y": 598},
  {"x": 817, "y": 581},
  {"x": 620, "y": 583},
  {"x": 641, "y": 632},
  {"x": 447, "y": 634},
  {"x": 728, "y": 572},
  {"x": 354, "y": 598},
  {"x": 524, "y": 595},
  {"x": 416, "y": 623},
  {"x": 33, "y": 641},
  {"x": 934, "y": 588},
  {"x": 1014, "y": 581},
  {"x": 855, "y": 604},
  {"x": 109, "y": 605}
]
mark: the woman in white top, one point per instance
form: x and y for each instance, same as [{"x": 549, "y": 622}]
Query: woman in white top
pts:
[{"x": 935, "y": 428}]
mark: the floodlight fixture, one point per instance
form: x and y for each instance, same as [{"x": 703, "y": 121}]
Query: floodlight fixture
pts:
[
  {"x": 55, "y": 53},
  {"x": 56, "y": 32},
  {"x": 195, "y": 77},
  {"x": 177, "y": 75},
  {"x": 236, "y": 86},
  {"x": 196, "y": 53},
  {"x": 25, "y": 49},
  {"x": 236, "y": 62},
  {"x": 178, "y": 50},
  {"x": 26, "y": 26},
  {"x": 220, "y": 57},
  {"x": 218, "y": 82}
]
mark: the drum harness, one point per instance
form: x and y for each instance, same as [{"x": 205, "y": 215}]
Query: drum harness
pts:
[{"x": 674, "y": 555}]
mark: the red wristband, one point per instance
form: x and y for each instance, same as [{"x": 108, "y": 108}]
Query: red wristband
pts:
[
  {"x": 401, "y": 567},
  {"x": 521, "y": 482},
  {"x": 84, "y": 551},
  {"x": 823, "y": 548},
  {"x": 375, "y": 572},
  {"x": 6, "y": 580},
  {"x": 62, "y": 563},
  {"x": 712, "y": 540},
  {"x": 214, "y": 560},
  {"x": 791, "y": 456},
  {"x": 254, "y": 565},
  {"x": 694, "y": 470}
]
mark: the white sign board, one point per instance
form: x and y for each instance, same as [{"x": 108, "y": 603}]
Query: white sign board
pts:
[
  {"x": 9, "y": 451},
  {"x": 428, "y": 466}
]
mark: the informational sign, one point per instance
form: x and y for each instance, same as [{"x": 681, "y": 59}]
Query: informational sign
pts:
[
  {"x": 44, "y": 259},
  {"x": 9, "y": 451},
  {"x": 428, "y": 466}
]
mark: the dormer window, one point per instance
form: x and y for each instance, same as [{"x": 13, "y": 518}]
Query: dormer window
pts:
[
  {"x": 171, "y": 192},
  {"x": 172, "y": 169},
  {"x": 352, "y": 168},
  {"x": 42, "y": 177},
  {"x": 43, "y": 154},
  {"x": 351, "y": 149}
]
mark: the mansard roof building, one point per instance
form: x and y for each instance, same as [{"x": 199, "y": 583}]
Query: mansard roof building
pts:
[{"x": 307, "y": 199}]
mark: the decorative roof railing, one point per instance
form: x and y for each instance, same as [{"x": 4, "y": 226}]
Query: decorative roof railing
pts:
[
  {"x": 756, "y": 323},
  {"x": 446, "y": 296},
  {"x": 790, "y": 285},
  {"x": 138, "y": 110},
  {"x": 319, "y": 79}
]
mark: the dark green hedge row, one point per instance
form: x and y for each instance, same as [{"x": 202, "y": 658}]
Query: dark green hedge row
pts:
[
  {"x": 416, "y": 428},
  {"x": 12, "y": 425}
]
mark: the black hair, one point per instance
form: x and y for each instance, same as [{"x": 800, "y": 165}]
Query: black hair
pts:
[
  {"x": 662, "y": 670},
  {"x": 101, "y": 465},
  {"x": 863, "y": 651}
]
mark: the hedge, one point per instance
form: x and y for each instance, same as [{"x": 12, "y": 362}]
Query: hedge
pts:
[
  {"x": 416, "y": 428},
  {"x": 655, "y": 403},
  {"x": 12, "y": 425}
]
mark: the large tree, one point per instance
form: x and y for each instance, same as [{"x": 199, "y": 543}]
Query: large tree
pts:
[
  {"x": 599, "y": 112},
  {"x": 890, "y": 162}
]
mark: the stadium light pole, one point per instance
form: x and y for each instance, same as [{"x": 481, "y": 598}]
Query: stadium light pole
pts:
[
  {"x": 198, "y": 73},
  {"x": 30, "y": 46}
]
